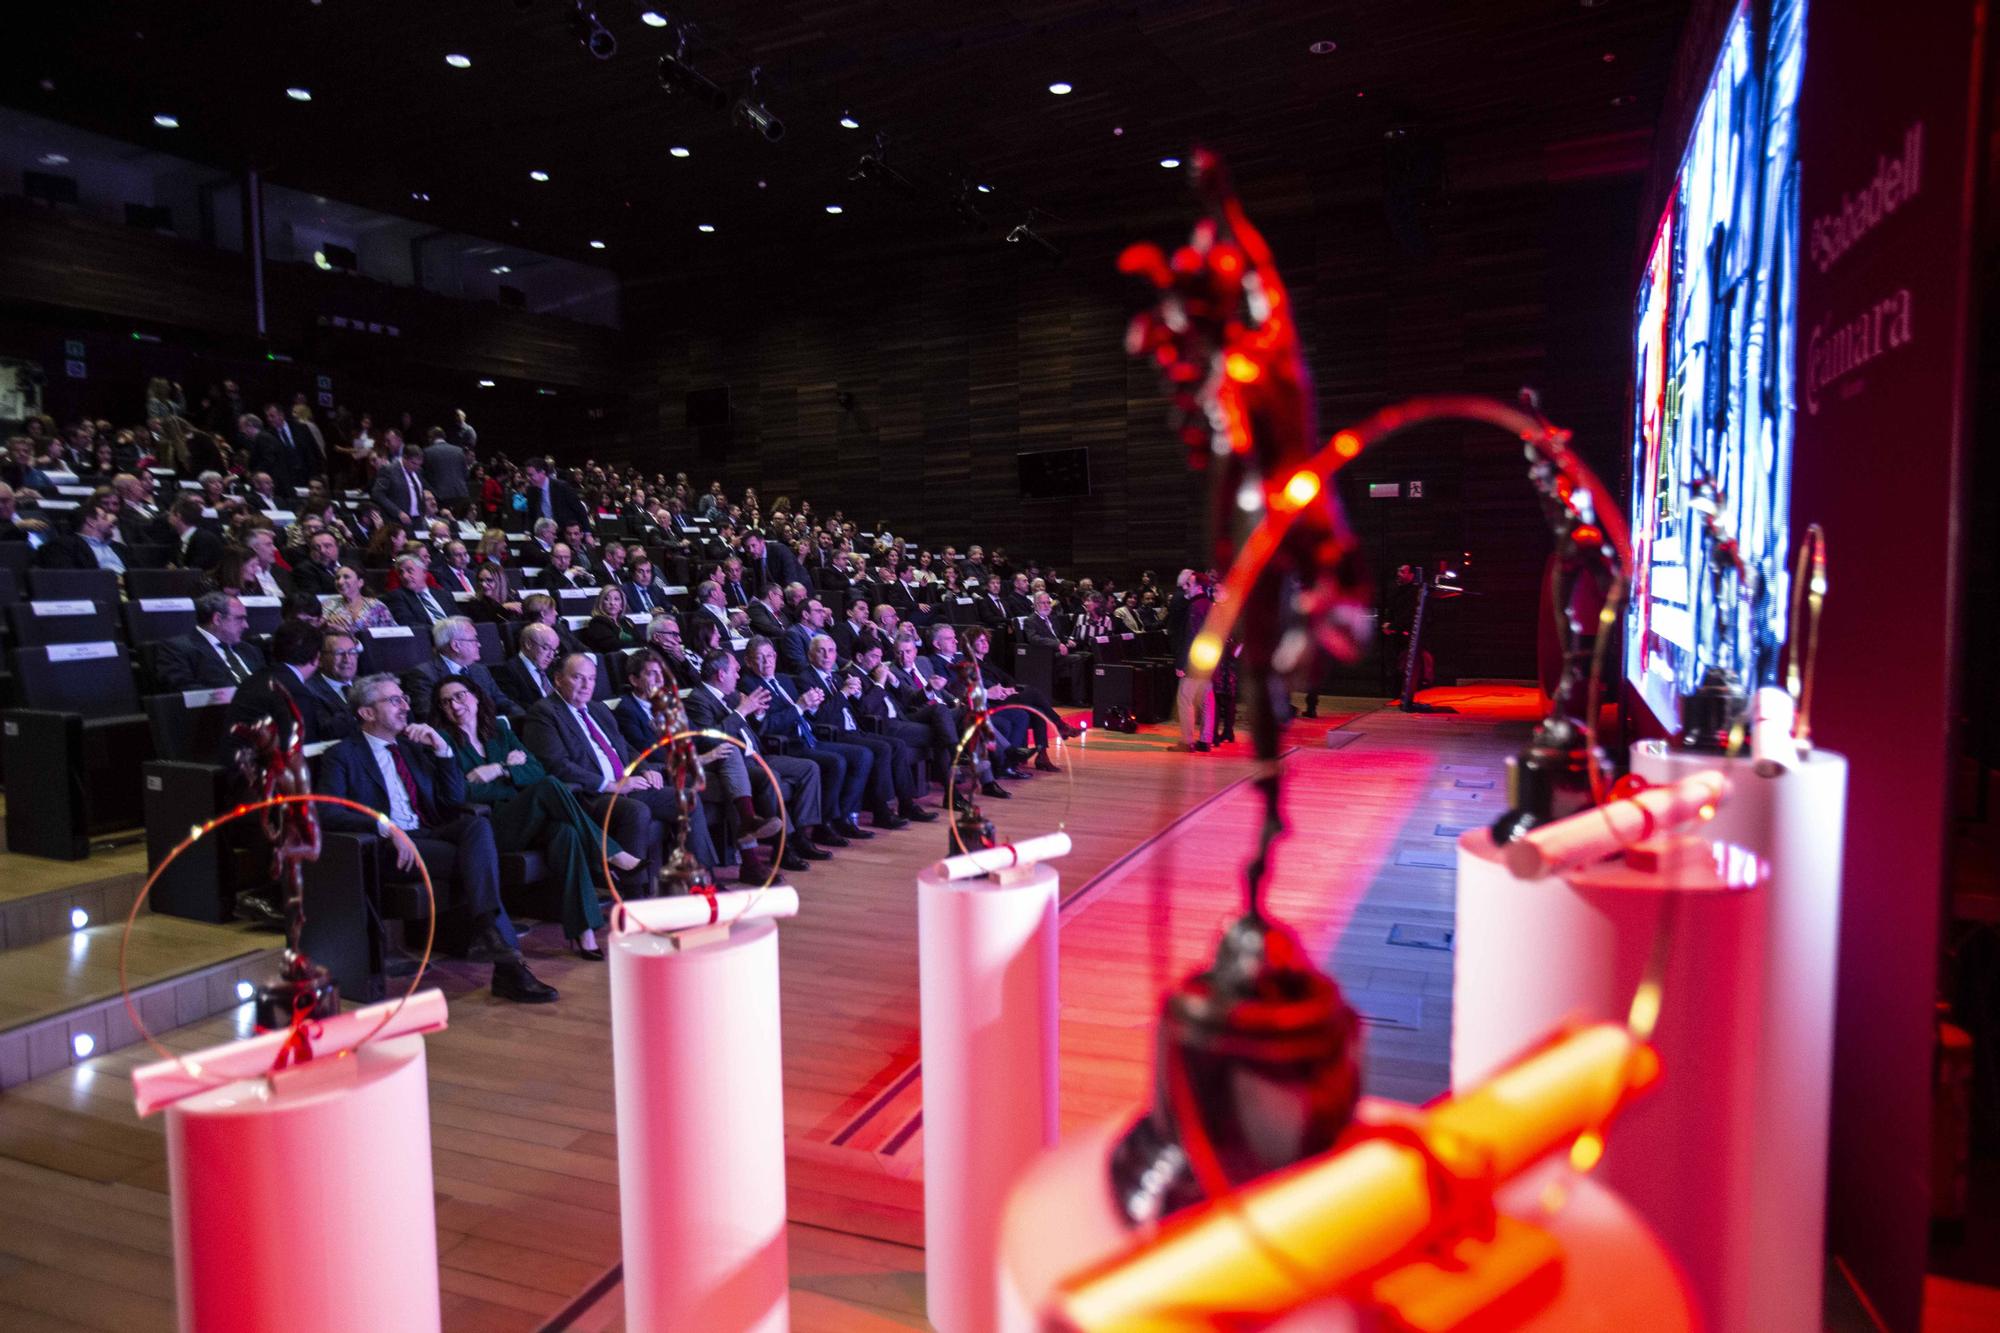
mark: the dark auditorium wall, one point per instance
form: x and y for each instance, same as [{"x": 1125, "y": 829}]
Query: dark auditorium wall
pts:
[{"x": 958, "y": 359}]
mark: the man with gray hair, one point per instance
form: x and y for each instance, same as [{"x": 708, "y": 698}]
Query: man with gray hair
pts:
[
  {"x": 414, "y": 603},
  {"x": 456, "y": 639},
  {"x": 212, "y": 657},
  {"x": 408, "y": 772}
]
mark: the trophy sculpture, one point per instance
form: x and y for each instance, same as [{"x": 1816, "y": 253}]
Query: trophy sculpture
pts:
[
  {"x": 969, "y": 829},
  {"x": 270, "y": 762},
  {"x": 682, "y": 873},
  {"x": 1256, "y": 1064}
]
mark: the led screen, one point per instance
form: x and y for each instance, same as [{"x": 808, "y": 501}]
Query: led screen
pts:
[{"x": 1711, "y": 422}]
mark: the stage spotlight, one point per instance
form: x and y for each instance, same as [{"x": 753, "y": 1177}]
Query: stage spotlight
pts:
[
  {"x": 677, "y": 151},
  {"x": 751, "y": 111},
  {"x": 1061, "y": 89},
  {"x": 590, "y": 32},
  {"x": 677, "y": 77},
  {"x": 597, "y": 245},
  {"x": 1024, "y": 233},
  {"x": 299, "y": 94}
]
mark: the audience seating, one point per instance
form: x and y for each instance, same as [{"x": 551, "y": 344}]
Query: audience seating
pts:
[
  {"x": 151, "y": 619},
  {"x": 394, "y": 649},
  {"x": 35, "y": 624},
  {"x": 187, "y": 786},
  {"x": 74, "y": 748},
  {"x": 164, "y": 583},
  {"x": 79, "y": 585}
]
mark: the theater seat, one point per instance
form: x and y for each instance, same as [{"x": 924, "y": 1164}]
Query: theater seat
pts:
[
  {"x": 394, "y": 649},
  {"x": 164, "y": 582},
  {"x": 75, "y": 748},
  {"x": 82, "y": 585},
  {"x": 79, "y": 620}
]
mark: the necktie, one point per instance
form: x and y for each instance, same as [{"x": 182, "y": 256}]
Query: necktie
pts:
[
  {"x": 430, "y": 604},
  {"x": 846, "y": 718},
  {"x": 416, "y": 500},
  {"x": 798, "y": 716},
  {"x": 409, "y": 784},
  {"x": 598, "y": 738},
  {"x": 233, "y": 662},
  {"x": 541, "y": 681}
]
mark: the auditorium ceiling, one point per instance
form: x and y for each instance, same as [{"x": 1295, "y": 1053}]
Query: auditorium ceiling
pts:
[{"x": 1312, "y": 103}]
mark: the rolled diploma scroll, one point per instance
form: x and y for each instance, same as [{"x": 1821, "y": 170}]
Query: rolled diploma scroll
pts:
[
  {"x": 164, "y": 1082},
  {"x": 986, "y": 860},
  {"x": 1303, "y": 1233},
  {"x": 1772, "y": 717},
  {"x": 1605, "y": 830},
  {"x": 691, "y": 911}
]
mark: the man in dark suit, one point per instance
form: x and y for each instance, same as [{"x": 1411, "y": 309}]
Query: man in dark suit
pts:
[
  {"x": 214, "y": 655},
  {"x": 414, "y": 603},
  {"x": 643, "y": 590},
  {"x": 94, "y": 544},
  {"x": 1041, "y": 628},
  {"x": 455, "y": 576},
  {"x": 408, "y": 771},
  {"x": 795, "y": 648},
  {"x": 900, "y": 709},
  {"x": 735, "y": 593},
  {"x": 194, "y": 546},
  {"x": 1020, "y": 601},
  {"x": 299, "y": 449},
  {"x": 563, "y": 571},
  {"x": 708, "y": 599},
  {"x": 457, "y": 642},
  {"x": 549, "y": 496},
  {"x": 767, "y": 611},
  {"x": 986, "y": 604},
  {"x": 767, "y": 564},
  {"x": 717, "y": 705},
  {"x": 843, "y": 769},
  {"x": 524, "y": 677},
  {"x": 445, "y": 473},
  {"x": 851, "y": 634},
  {"x": 578, "y": 742},
  {"x": 399, "y": 487},
  {"x": 300, "y": 652},
  {"x": 315, "y": 573},
  {"x": 912, "y": 602},
  {"x": 891, "y": 783}
]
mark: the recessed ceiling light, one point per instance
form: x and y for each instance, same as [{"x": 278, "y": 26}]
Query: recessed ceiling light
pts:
[
  {"x": 985, "y": 189},
  {"x": 762, "y": 183},
  {"x": 321, "y": 261},
  {"x": 677, "y": 151},
  {"x": 653, "y": 18},
  {"x": 834, "y": 209},
  {"x": 539, "y": 176},
  {"x": 503, "y": 268},
  {"x": 299, "y": 94},
  {"x": 457, "y": 61},
  {"x": 1170, "y": 162},
  {"x": 1323, "y": 48},
  {"x": 1060, "y": 89},
  {"x": 1623, "y": 99},
  {"x": 53, "y": 160},
  {"x": 597, "y": 245},
  {"x": 704, "y": 227},
  {"x": 48, "y": 85},
  {"x": 421, "y": 196},
  {"x": 1609, "y": 56},
  {"x": 486, "y": 384},
  {"x": 166, "y": 121},
  {"x": 1117, "y": 131},
  {"x": 848, "y": 122}
]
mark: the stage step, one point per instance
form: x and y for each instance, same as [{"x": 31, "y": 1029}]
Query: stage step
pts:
[{"x": 60, "y": 1000}]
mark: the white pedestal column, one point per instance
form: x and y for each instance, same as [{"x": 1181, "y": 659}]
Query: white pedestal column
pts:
[
  {"x": 1535, "y": 954},
  {"x": 304, "y": 1202},
  {"x": 1797, "y": 820},
  {"x": 986, "y": 956},
  {"x": 701, "y": 1132}
]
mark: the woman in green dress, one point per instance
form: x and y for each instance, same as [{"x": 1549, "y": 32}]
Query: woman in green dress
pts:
[{"x": 530, "y": 809}]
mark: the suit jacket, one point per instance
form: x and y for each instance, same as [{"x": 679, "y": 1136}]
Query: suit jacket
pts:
[
  {"x": 308, "y": 576},
  {"x": 422, "y": 687},
  {"x": 444, "y": 470},
  {"x": 782, "y": 718},
  {"x": 900, "y": 596},
  {"x": 635, "y": 723},
  {"x": 303, "y": 455},
  {"x": 764, "y": 623},
  {"x": 391, "y": 492},
  {"x": 650, "y": 598},
  {"x": 202, "y": 550},
  {"x": 736, "y": 594},
  {"x": 189, "y": 663},
  {"x": 793, "y": 647},
  {"x": 70, "y": 551},
  {"x": 288, "y": 468},
  {"x": 720, "y": 615},
  {"x": 563, "y": 499},
  {"x": 453, "y": 579},
  {"x": 1019, "y": 604},
  {"x": 1043, "y": 631},
  {"x": 408, "y": 607},
  {"x": 851, "y": 640},
  {"x": 515, "y": 683},
  {"x": 326, "y": 715},
  {"x": 828, "y": 714},
  {"x": 349, "y": 769},
  {"x": 704, "y": 710},
  {"x": 576, "y": 576},
  {"x": 551, "y": 731},
  {"x": 992, "y": 611}
]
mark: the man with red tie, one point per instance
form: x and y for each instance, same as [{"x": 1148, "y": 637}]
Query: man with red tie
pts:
[
  {"x": 409, "y": 773},
  {"x": 456, "y": 575}
]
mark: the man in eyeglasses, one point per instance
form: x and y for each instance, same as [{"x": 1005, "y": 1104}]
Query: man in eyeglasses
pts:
[{"x": 408, "y": 772}]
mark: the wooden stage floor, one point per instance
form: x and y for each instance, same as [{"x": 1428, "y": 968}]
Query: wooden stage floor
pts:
[{"x": 522, "y": 1120}]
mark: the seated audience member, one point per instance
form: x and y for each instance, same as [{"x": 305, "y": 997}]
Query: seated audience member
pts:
[
  {"x": 1072, "y": 664},
  {"x": 795, "y": 648},
  {"x": 493, "y": 549},
  {"x": 783, "y": 723},
  {"x": 456, "y": 640},
  {"x": 1001, "y": 687},
  {"x": 608, "y": 630},
  {"x": 563, "y": 572},
  {"x": 1127, "y": 614},
  {"x": 524, "y": 677},
  {"x": 714, "y": 705},
  {"x": 354, "y": 609},
  {"x": 663, "y": 635},
  {"x": 411, "y": 772},
  {"x": 892, "y": 781},
  {"x": 851, "y": 634},
  {"x": 318, "y": 572},
  {"x": 415, "y": 603},
  {"x": 539, "y": 608},
  {"x": 272, "y": 577},
  {"x": 491, "y": 605},
  {"x": 20, "y": 472},
  {"x": 709, "y": 605},
  {"x": 94, "y": 544},
  {"x": 767, "y": 611},
  {"x": 191, "y": 546},
  {"x": 293, "y": 681},
  {"x": 530, "y": 809},
  {"x": 578, "y": 741},
  {"x": 454, "y": 575},
  {"x": 214, "y": 655},
  {"x": 643, "y": 589},
  {"x": 383, "y": 544},
  {"x": 882, "y": 698}
]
